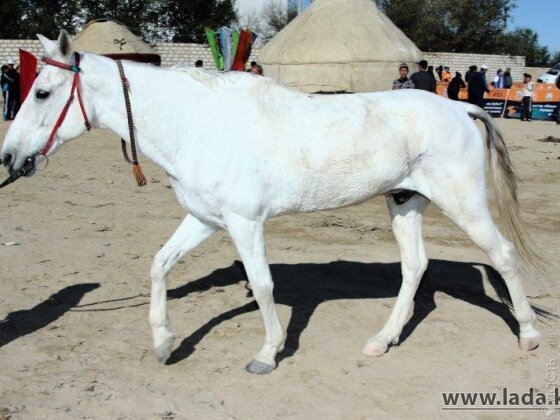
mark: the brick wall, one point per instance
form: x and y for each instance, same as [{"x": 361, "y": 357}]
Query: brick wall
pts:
[
  {"x": 172, "y": 53},
  {"x": 462, "y": 62}
]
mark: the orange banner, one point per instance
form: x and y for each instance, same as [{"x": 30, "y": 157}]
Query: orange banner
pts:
[
  {"x": 543, "y": 92},
  {"x": 507, "y": 102}
]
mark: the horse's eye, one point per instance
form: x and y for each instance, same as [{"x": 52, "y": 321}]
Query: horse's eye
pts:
[{"x": 42, "y": 94}]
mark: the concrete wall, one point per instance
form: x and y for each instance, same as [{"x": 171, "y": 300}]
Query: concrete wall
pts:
[{"x": 172, "y": 53}]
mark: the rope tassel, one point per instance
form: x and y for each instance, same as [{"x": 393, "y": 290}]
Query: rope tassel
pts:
[
  {"x": 140, "y": 178},
  {"x": 136, "y": 169}
]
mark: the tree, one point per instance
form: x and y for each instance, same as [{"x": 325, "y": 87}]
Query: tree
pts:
[
  {"x": 555, "y": 58},
  {"x": 524, "y": 41},
  {"x": 269, "y": 21},
  {"x": 450, "y": 25},
  {"x": 187, "y": 19},
  {"x": 143, "y": 17},
  {"x": 153, "y": 20},
  {"x": 23, "y": 19}
]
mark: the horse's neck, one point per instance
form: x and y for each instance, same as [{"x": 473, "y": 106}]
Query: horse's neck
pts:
[{"x": 160, "y": 100}]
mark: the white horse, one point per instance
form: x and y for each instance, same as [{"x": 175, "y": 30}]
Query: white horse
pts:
[{"x": 303, "y": 153}]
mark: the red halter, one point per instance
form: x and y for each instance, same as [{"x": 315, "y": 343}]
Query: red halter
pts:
[{"x": 75, "y": 88}]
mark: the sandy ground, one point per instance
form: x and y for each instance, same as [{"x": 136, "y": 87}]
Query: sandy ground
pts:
[{"x": 75, "y": 341}]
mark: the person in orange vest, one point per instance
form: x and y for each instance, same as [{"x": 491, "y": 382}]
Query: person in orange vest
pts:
[{"x": 446, "y": 75}]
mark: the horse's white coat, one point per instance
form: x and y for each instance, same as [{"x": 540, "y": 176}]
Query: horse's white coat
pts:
[{"x": 240, "y": 149}]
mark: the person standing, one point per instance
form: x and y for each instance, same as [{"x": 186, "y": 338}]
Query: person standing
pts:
[
  {"x": 483, "y": 70},
  {"x": 431, "y": 72},
  {"x": 508, "y": 80},
  {"x": 469, "y": 73},
  {"x": 528, "y": 88},
  {"x": 477, "y": 87},
  {"x": 12, "y": 99},
  {"x": 454, "y": 86},
  {"x": 446, "y": 75},
  {"x": 558, "y": 110},
  {"x": 499, "y": 79},
  {"x": 5, "y": 83},
  {"x": 422, "y": 79},
  {"x": 403, "y": 82}
]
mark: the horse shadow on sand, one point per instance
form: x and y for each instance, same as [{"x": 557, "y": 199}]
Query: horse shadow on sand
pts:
[
  {"x": 20, "y": 323},
  {"x": 304, "y": 287}
]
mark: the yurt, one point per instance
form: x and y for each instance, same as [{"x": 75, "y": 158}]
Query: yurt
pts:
[
  {"x": 115, "y": 40},
  {"x": 339, "y": 45}
]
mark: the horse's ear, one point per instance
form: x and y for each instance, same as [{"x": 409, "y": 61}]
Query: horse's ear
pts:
[
  {"x": 49, "y": 46},
  {"x": 64, "y": 42}
]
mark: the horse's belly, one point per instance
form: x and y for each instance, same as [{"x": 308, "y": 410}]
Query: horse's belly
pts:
[{"x": 345, "y": 186}]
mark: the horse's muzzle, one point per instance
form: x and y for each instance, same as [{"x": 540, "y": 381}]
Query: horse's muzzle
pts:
[{"x": 29, "y": 167}]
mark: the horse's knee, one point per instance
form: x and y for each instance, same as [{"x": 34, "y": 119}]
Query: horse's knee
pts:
[
  {"x": 262, "y": 290},
  {"x": 414, "y": 270},
  {"x": 157, "y": 271}
]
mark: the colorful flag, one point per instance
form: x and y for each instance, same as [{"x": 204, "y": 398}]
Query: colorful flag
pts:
[{"x": 214, "y": 48}]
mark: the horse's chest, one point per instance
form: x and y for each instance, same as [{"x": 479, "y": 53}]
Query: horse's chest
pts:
[{"x": 198, "y": 203}]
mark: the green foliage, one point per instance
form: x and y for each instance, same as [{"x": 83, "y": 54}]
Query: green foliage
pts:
[
  {"x": 524, "y": 41},
  {"x": 555, "y": 58},
  {"x": 465, "y": 26},
  {"x": 153, "y": 20},
  {"x": 187, "y": 19},
  {"x": 450, "y": 25}
]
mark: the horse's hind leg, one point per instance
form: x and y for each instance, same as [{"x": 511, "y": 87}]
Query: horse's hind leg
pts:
[
  {"x": 472, "y": 215},
  {"x": 188, "y": 236},
  {"x": 249, "y": 240},
  {"x": 407, "y": 228}
]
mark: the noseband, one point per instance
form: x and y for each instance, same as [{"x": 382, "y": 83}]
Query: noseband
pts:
[{"x": 76, "y": 88}]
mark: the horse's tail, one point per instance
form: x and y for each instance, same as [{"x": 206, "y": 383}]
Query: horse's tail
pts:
[{"x": 505, "y": 186}]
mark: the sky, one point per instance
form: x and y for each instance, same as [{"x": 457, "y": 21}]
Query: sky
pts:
[{"x": 542, "y": 16}]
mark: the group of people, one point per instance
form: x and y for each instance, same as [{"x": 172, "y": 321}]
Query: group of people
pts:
[
  {"x": 10, "y": 90},
  {"x": 475, "y": 81}
]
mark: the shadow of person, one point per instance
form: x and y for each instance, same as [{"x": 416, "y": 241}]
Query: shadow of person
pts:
[
  {"x": 20, "y": 323},
  {"x": 304, "y": 287}
]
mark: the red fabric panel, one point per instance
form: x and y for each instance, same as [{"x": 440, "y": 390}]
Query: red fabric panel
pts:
[
  {"x": 243, "y": 50},
  {"x": 27, "y": 72}
]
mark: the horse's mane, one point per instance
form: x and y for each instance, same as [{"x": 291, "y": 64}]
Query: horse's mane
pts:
[{"x": 215, "y": 80}]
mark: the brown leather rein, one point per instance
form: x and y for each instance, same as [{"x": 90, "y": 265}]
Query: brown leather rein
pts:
[{"x": 76, "y": 87}]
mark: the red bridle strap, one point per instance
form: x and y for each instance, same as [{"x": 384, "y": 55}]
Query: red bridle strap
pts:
[{"x": 75, "y": 88}]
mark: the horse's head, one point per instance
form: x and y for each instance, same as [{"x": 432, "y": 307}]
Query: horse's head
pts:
[{"x": 42, "y": 111}]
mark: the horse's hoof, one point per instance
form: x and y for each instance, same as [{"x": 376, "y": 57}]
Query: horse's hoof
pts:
[
  {"x": 259, "y": 368},
  {"x": 374, "y": 348},
  {"x": 530, "y": 342},
  {"x": 163, "y": 351}
]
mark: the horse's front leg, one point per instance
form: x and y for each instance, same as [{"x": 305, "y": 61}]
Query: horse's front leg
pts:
[
  {"x": 249, "y": 240},
  {"x": 188, "y": 236}
]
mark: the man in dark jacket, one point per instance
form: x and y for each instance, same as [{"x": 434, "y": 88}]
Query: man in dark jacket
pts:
[
  {"x": 477, "y": 87},
  {"x": 469, "y": 73},
  {"x": 422, "y": 79}
]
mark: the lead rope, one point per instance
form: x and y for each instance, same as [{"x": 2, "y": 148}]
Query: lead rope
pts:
[{"x": 136, "y": 169}]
